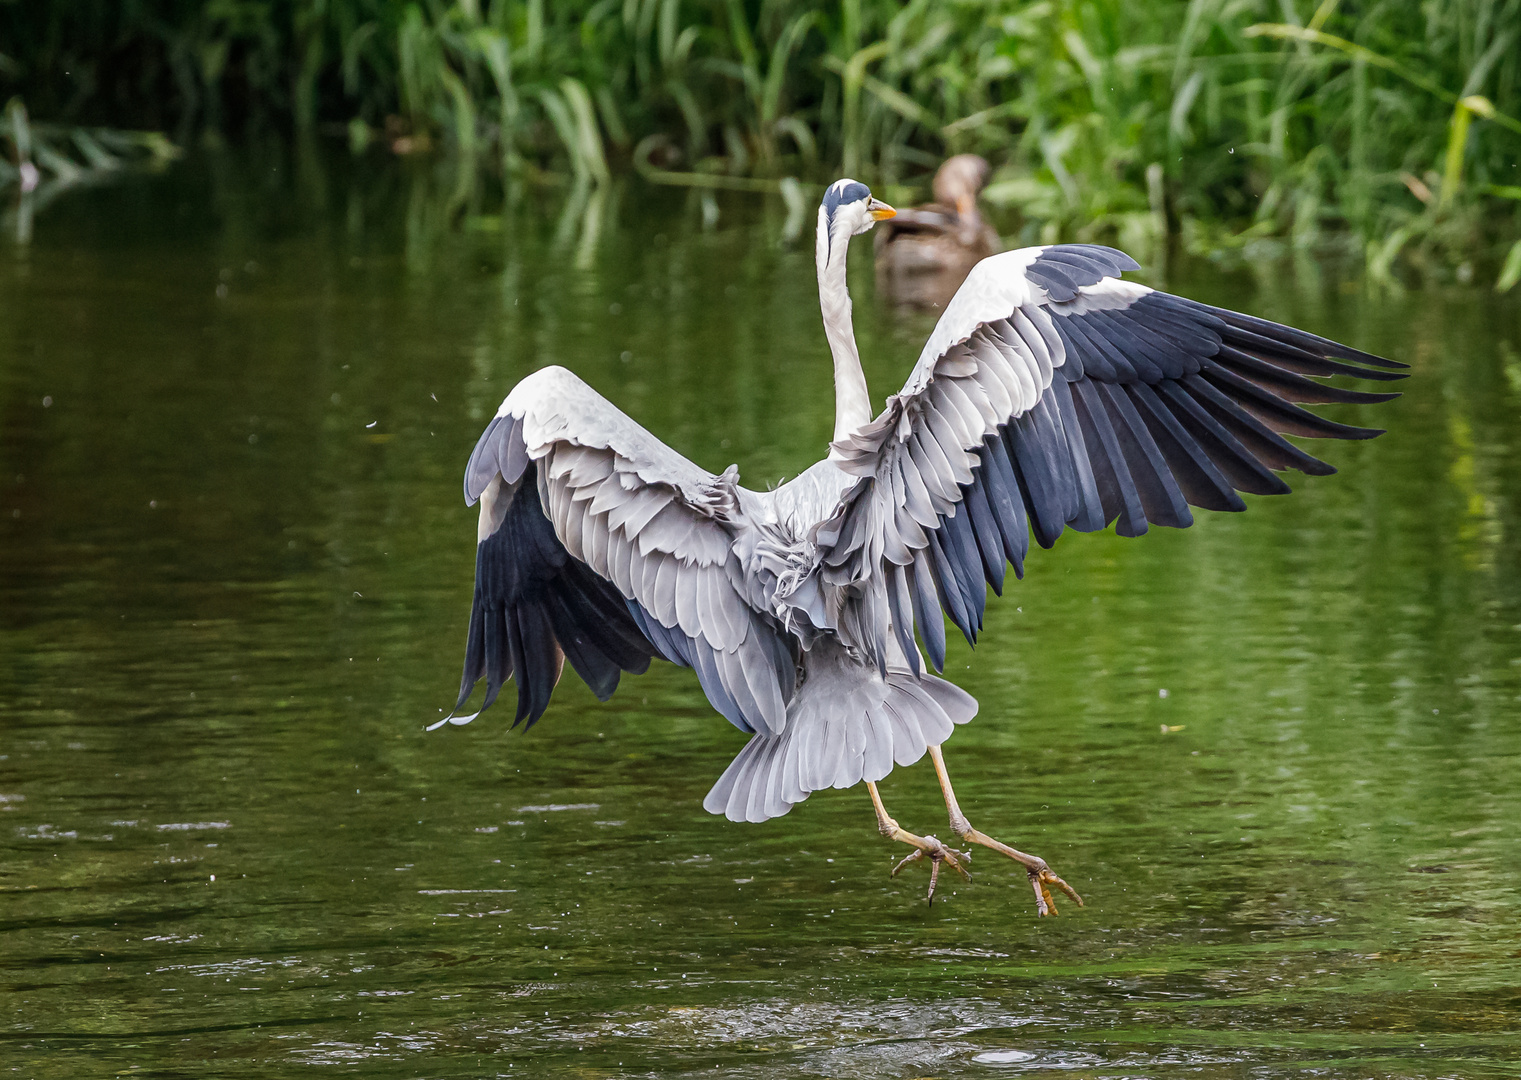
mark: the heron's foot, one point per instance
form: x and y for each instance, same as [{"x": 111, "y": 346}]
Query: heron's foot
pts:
[
  {"x": 1041, "y": 876},
  {"x": 925, "y": 847},
  {"x": 928, "y": 847}
]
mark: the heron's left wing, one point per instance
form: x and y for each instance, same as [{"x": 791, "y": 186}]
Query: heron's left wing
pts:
[
  {"x": 601, "y": 545},
  {"x": 1053, "y": 393}
]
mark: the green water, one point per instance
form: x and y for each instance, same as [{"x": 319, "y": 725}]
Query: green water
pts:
[{"x": 235, "y": 573}]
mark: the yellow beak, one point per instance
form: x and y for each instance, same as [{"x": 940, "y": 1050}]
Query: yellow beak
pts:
[{"x": 880, "y": 210}]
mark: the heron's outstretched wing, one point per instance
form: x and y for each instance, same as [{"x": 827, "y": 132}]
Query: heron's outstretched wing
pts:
[
  {"x": 1054, "y": 393},
  {"x": 600, "y": 545}
]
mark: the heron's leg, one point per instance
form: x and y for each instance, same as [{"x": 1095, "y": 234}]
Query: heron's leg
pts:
[
  {"x": 1039, "y": 873},
  {"x": 924, "y": 846}
]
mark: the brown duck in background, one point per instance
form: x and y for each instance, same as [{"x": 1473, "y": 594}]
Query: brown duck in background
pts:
[{"x": 924, "y": 253}]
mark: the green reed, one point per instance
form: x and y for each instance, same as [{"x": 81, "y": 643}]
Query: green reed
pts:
[{"x": 1387, "y": 129}]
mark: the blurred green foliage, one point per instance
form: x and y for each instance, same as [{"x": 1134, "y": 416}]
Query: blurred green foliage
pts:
[{"x": 1386, "y": 128}]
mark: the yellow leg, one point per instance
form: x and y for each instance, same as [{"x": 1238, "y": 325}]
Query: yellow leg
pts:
[
  {"x": 924, "y": 846},
  {"x": 1039, "y": 873}
]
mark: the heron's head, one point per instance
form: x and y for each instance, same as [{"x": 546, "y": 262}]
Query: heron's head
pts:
[{"x": 847, "y": 209}]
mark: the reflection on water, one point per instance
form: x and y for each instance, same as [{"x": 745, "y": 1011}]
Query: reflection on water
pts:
[{"x": 234, "y": 575}]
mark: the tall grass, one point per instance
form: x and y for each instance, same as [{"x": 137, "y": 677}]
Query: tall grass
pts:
[{"x": 1387, "y": 128}]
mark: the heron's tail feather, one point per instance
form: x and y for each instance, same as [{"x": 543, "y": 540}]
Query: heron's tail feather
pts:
[{"x": 846, "y": 724}]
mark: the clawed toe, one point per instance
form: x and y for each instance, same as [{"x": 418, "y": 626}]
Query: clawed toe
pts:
[
  {"x": 1041, "y": 876},
  {"x": 937, "y": 853}
]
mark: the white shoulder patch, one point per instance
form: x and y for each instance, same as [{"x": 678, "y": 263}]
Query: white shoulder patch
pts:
[{"x": 1111, "y": 294}]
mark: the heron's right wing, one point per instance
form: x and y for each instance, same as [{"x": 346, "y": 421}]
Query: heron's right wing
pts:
[
  {"x": 600, "y": 545},
  {"x": 1053, "y": 393}
]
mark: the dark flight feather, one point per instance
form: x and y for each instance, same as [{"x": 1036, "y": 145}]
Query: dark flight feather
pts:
[{"x": 533, "y": 603}]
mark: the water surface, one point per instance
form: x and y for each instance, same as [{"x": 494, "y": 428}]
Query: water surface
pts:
[{"x": 1277, "y": 752}]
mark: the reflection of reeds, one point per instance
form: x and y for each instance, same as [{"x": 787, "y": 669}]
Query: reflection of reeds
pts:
[
  {"x": 45, "y": 160},
  {"x": 1264, "y": 121}
]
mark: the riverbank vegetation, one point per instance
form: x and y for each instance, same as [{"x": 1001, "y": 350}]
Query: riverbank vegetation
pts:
[{"x": 1384, "y": 131}]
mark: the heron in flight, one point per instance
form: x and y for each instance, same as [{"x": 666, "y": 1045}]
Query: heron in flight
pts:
[{"x": 1053, "y": 393}]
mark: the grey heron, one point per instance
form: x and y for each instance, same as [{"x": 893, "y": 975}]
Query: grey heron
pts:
[{"x": 1053, "y": 393}]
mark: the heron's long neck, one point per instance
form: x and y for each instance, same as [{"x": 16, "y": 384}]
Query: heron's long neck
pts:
[{"x": 852, "y": 402}]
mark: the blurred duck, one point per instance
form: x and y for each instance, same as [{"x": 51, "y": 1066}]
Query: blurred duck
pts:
[{"x": 925, "y": 252}]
